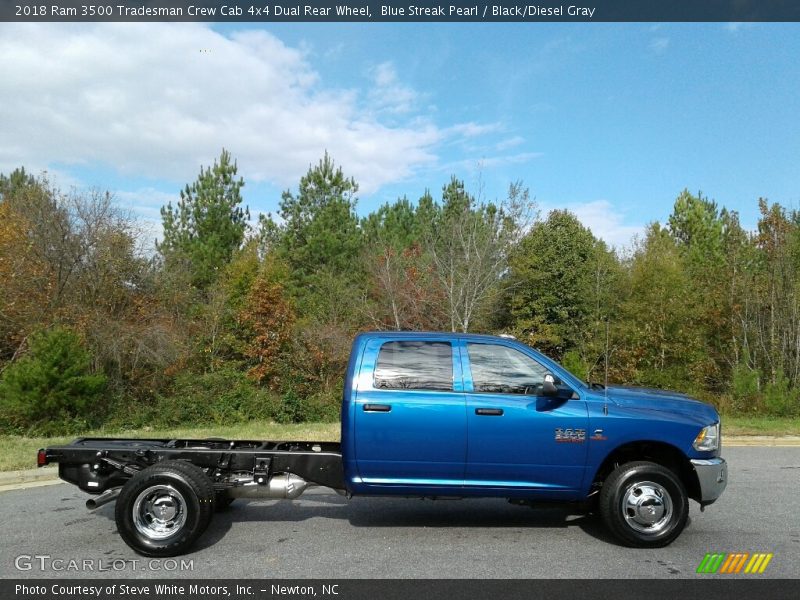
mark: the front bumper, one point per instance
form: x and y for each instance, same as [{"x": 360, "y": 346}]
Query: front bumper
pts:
[{"x": 712, "y": 474}]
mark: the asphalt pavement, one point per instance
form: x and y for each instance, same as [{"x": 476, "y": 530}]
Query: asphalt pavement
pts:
[{"x": 47, "y": 532}]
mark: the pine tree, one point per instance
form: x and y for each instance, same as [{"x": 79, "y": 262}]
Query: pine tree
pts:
[{"x": 208, "y": 224}]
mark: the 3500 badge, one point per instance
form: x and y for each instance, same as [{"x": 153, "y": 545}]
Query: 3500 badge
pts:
[{"x": 577, "y": 436}]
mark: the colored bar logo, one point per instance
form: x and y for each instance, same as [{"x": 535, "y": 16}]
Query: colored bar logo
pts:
[{"x": 735, "y": 562}]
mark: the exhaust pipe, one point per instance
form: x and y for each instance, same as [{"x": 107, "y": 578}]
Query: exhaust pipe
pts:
[
  {"x": 104, "y": 498},
  {"x": 285, "y": 485}
]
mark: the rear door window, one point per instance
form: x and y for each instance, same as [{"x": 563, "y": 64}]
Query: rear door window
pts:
[{"x": 414, "y": 365}]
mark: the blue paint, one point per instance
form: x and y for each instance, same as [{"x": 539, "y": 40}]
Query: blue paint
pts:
[{"x": 436, "y": 443}]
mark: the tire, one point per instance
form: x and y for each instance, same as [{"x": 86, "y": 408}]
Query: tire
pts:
[
  {"x": 222, "y": 501},
  {"x": 644, "y": 505},
  {"x": 162, "y": 510}
]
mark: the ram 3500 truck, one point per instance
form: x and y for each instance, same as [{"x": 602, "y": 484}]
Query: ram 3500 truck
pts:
[{"x": 431, "y": 415}]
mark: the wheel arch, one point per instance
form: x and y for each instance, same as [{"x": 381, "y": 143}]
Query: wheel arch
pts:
[{"x": 660, "y": 453}]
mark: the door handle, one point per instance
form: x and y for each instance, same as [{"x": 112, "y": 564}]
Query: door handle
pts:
[
  {"x": 377, "y": 407},
  {"x": 489, "y": 412}
]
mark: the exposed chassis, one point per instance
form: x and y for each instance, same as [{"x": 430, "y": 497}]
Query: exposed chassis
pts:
[{"x": 99, "y": 464}]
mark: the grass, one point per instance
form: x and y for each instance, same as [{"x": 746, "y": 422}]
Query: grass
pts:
[
  {"x": 17, "y": 452},
  {"x": 760, "y": 426}
]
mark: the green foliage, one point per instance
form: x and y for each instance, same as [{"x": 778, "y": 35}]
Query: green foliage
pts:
[
  {"x": 745, "y": 387},
  {"x": 575, "y": 364},
  {"x": 393, "y": 225},
  {"x": 320, "y": 231},
  {"x": 319, "y": 239},
  {"x": 659, "y": 343},
  {"x": 700, "y": 304},
  {"x": 291, "y": 409},
  {"x": 14, "y": 183},
  {"x": 780, "y": 399},
  {"x": 52, "y": 388},
  {"x": 553, "y": 276},
  {"x": 208, "y": 224},
  {"x": 315, "y": 408},
  {"x": 696, "y": 224},
  {"x": 223, "y": 396}
]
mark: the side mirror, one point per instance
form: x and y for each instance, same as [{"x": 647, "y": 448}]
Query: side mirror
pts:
[{"x": 549, "y": 385}]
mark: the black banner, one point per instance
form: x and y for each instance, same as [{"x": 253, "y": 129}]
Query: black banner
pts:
[
  {"x": 711, "y": 588},
  {"x": 401, "y": 11}
]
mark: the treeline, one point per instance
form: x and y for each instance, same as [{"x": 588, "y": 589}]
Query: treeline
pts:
[{"x": 226, "y": 322}]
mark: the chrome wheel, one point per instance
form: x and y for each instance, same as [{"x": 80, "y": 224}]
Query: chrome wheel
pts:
[
  {"x": 159, "y": 512},
  {"x": 647, "y": 507}
]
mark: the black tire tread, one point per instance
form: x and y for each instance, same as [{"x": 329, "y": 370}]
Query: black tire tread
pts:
[
  {"x": 608, "y": 505},
  {"x": 188, "y": 474},
  {"x": 222, "y": 501}
]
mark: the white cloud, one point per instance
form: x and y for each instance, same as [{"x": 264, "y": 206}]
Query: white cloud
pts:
[
  {"x": 482, "y": 163},
  {"x": 472, "y": 129},
  {"x": 736, "y": 27},
  {"x": 510, "y": 142},
  {"x": 158, "y": 100},
  {"x": 604, "y": 220},
  {"x": 659, "y": 44},
  {"x": 388, "y": 93}
]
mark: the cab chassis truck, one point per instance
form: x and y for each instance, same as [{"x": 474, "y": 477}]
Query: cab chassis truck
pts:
[{"x": 432, "y": 415}]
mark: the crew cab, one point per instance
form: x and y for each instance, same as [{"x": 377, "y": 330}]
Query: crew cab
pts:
[{"x": 431, "y": 415}]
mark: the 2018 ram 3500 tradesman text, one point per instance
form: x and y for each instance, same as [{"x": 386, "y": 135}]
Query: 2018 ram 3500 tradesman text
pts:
[{"x": 432, "y": 414}]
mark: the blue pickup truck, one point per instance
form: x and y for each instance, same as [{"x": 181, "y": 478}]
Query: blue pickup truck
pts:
[{"x": 432, "y": 415}]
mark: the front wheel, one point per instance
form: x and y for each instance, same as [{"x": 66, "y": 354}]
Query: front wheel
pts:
[
  {"x": 644, "y": 504},
  {"x": 162, "y": 510}
]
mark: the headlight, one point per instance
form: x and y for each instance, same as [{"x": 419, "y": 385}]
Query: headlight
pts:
[{"x": 707, "y": 439}]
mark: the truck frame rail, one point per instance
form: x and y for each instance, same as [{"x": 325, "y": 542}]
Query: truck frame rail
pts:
[{"x": 96, "y": 465}]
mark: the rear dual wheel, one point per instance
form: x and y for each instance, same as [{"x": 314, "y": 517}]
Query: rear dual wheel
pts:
[
  {"x": 162, "y": 510},
  {"x": 223, "y": 500}
]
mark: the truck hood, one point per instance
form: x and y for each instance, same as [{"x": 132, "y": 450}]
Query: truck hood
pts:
[{"x": 664, "y": 401}]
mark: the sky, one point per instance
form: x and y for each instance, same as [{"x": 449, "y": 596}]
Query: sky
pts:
[{"x": 610, "y": 121}]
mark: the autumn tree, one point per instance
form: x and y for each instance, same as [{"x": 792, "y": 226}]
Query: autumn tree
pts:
[
  {"x": 270, "y": 315},
  {"x": 403, "y": 289},
  {"x": 25, "y": 282}
]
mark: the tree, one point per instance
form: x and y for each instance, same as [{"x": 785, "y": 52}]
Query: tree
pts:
[
  {"x": 470, "y": 244},
  {"x": 560, "y": 278},
  {"x": 271, "y": 316},
  {"x": 208, "y": 225},
  {"x": 696, "y": 224},
  {"x": 320, "y": 241},
  {"x": 699, "y": 230},
  {"x": 403, "y": 290},
  {"x": 24, "y": 294},
  {"x": 662, "y": 342},
  {"x": 778, "y": 318},
  {"x": 66, "y": 258},
  {"x": 14, "y": 183},
  {"x": 394, "y": 225},
  {"x": 52, "y": 387},
  {"x": 320, "y": 230}
]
